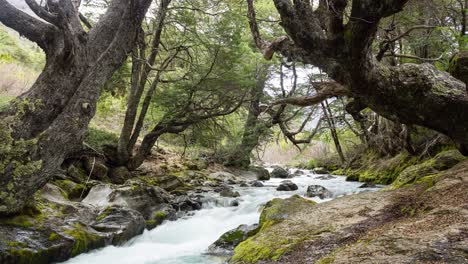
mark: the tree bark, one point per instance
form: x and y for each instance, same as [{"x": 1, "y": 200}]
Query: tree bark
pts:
[
  {"x": 331, "y": 125},
  {"x": 46, "y": 123},
  {"x": 410, "y": 93}
]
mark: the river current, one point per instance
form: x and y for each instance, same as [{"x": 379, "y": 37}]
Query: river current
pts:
[{"x": 185, "y": 241}]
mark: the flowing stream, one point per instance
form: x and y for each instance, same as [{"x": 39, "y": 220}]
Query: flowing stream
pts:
[{"x": 184, "y": 241}]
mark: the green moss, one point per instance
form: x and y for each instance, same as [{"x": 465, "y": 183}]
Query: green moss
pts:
[
  {"x": 97, "y": 138},
  {"x": 17, "y": 244},
  {"x": 19, "y": 221},
  {"x": 83, "y": 239},
  {"x": 53, "y": 236},
  {"x": 104, "y": 214},
  {"x": 326, "y": 260},
  {"x": 270, "y": 243}
]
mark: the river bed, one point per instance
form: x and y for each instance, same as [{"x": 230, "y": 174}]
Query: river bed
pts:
[{"x": 185, "y": 241}]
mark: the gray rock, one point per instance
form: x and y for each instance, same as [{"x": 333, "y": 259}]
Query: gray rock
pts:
[
  {"x": 368, "y": 185},
  {"x": 318, "y": 191},
  {"x": 279, "y": 172},
  {"x": 169, "y": 182},
  {"x": 261, "y": 173},
  {"x": 234, "y": 203},
  {"x": 244, "y": 184},
  {"x": 97, "y": 167},
  {"x": 228, "y": 192},
  {"x": 287, "y": 186},
  {"x": 257, "y": 184},
  {"x": 123, "y": 223},
  {"x": 229, "y": 240},
  {"x": 320, "y": 170},
  {"x": 119, "y": 175}
]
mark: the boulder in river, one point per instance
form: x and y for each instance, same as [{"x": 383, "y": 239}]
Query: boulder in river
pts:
[
  {"x": 318, "y": 191},
  {"x": 287, "y": 185},
  {"x": 320, "y": 170},
  {"x": 279, "y": 172},
  {"x": 368, "y": 185},
  {"x": 228, "y": 192},
  {"x": 257, "y": 184},
  {"x": 326, "y": 177},
  {"x": 229, "y": 240},
  {"x": 261, "y": 173}
]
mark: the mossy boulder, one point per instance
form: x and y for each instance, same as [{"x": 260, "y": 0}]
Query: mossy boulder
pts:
[
  {"x": 72, "y": 189},
  {"x": 447, "y": 159},
  {"x": 271, "y": 242},
  {"x": 279, "y": 172},
  {"x": 414, "y": 173},
  {"x": 262, "y": 174},
  {"x": 119, "y": 175},
  {"x": 96, "y": 167},
  {"x": 226, "y": 243}
]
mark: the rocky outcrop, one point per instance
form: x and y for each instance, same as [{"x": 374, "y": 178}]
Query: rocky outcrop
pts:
[
  {"x": 226, "y": 243},
  {"x": 279, "y": 172},
  {"x": 420, "y": 223},
  {"x": 287, "y": 185},
  {"x": 318, "y": 191}
]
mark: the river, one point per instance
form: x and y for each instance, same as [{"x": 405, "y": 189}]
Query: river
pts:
[{"x": 184, "y": 241}]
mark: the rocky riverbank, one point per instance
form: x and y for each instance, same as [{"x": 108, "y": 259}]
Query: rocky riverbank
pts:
[
  {"x": 421, "y": 222},
  {"x": 71, "y": 215}
]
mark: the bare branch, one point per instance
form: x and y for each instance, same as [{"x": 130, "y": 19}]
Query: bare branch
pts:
[
  {"x": 325, "y": 90},
  {"x": 26, "y": 25}
]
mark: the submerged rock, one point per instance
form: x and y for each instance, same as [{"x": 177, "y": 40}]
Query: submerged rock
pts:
[
  {"x": 326, "y": 177},
  {"x": 287, "y": 185},
  {"x": 279, "y": 172},
  {"x": 318, "y": 191},
  {"x": 229, "y": 240}
]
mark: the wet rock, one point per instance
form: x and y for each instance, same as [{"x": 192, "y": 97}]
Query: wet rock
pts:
[
  {"x": 318, "y": 191},
  {"x": 262, "y": 174},
  {"x": 368, "y": 185},
  {"x": 234, "y": 203},
  {"x": 244, "y": 185},
  {"x": 228, "y": 192},
  {"x": 287, "y": 186},
  {"x": 119, "y": 175},
  {"x": 123, "y": 223},
  {"x": 186, "y": 203},
  {"x": 298, "y": 173},
  {"x": 229, "y": 240},
  {"x": 325, "y": 177},
  {"x": 134, "y": 194},
  {"x": 257, "y": 184},
  {"x": 279, "y": 172},
  {"x": 320, "y": 170}
]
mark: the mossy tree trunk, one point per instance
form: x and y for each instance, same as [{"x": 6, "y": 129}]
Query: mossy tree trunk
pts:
[
  {"x": 46, "y": 123},
  {"x": 340, "y": 43},
  {"x": 254, "y": 128}
]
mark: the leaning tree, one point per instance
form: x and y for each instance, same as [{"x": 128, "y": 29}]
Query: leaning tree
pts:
[
  {"x": 337, "y": 36},
  {"x": 43, "y": 125}
]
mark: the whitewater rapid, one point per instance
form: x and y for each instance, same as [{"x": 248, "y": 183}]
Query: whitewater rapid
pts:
[{"x": 185, "y": 241}]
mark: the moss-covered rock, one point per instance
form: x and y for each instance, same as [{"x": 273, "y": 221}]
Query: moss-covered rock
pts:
[
  {"x": 447, "y": 159},
  {"x": 270, "y": 243},
  {"x": 414, "y": 173},
  {"x": 226, "y": 243}
]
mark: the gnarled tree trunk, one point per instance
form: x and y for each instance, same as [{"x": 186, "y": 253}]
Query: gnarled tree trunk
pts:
[
  {"x": 409, "y": 93},
  {"x": 43, "y": 125}
]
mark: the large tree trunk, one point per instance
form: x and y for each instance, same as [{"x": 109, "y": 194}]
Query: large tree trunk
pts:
[
  {"x": 46, "y": 123},
  {"x": 410, "y": 93},
  {"x": 253, "y": 127}
]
